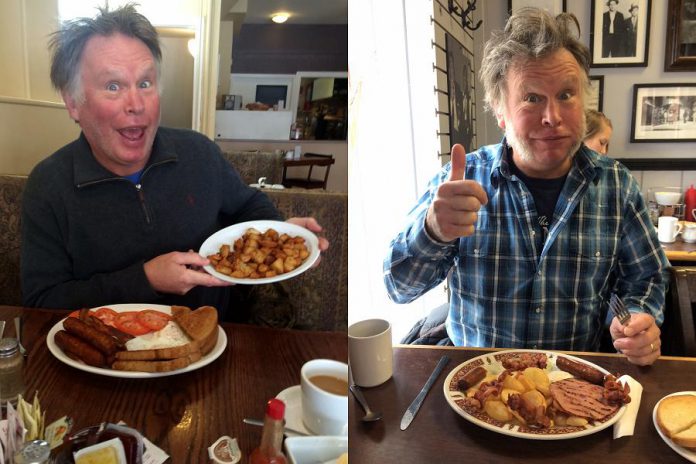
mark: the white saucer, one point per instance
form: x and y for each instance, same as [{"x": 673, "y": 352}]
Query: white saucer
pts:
[{"x": 292, "y": 397}]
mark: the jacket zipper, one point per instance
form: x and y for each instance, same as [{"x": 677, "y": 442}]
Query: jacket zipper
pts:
[{"x": 141, "y": 197}]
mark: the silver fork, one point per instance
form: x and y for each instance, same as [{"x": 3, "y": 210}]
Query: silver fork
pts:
[{"x": 619, "y": 310}]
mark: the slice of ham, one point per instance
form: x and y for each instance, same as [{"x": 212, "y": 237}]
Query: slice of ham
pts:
[{"x": 580, "y": 398}]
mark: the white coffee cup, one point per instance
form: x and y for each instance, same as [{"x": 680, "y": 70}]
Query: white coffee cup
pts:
[
  {"x": 370, "y": 352},
  {"x": 668, "y": 228},
  {"x": 323, "y": 412},
  {"x": 689, "y": 233}
]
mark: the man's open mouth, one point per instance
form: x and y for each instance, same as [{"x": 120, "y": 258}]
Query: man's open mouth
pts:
[{"x": 132, "y": 133}]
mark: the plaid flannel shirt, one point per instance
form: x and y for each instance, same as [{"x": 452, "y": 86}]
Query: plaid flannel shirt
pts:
[{"x": 510, "y": 289}]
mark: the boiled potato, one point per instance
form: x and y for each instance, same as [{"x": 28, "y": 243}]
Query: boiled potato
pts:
[
  {"x": 497, "y": 410},
  {"x": 526, "y": 382},
  {"x": 512, "y": 383},
  {"x": 539, "y": 378},
  {"x": 506, "y": 392},
  {"x": 534, "y": 398},
  {"x": 576, "y": 421}
]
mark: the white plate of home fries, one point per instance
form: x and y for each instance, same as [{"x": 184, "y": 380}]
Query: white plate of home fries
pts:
[
  {"x": 260, "y": 252},
  {"x": 494, "y": 404}
]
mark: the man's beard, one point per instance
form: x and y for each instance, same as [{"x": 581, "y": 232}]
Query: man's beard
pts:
[{"x": 524, "y": 150}]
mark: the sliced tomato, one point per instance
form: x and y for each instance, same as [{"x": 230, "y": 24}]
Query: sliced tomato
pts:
[
  {"x": 106, "y": 315},
  {"x": 154, "y": 320},
  {"x": 75, "y": 314},
  {"x": 128, "y": 322}
]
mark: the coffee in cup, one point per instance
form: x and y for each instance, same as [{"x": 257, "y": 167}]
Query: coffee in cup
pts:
[{"x": 324, "y": 385}]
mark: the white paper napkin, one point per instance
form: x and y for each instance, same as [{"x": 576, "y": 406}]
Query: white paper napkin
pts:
[{"x": 625, "y": 425}]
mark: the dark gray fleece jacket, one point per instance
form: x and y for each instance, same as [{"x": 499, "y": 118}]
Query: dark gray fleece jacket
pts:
[{"x": 86, "y": 232}]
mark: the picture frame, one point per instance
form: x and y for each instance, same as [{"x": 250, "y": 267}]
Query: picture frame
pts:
[
  {"x": 554, "y": 7},
  {"x": 623, "y": 41},
  {"x": 460, "y": 92},
  {"x": 664, "y": 113},
  {"x": 680, "y": 42},
  {"x": 595, "y": 99}
]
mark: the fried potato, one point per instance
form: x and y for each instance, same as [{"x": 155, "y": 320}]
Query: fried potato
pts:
[
  {"x": 256, "y": 255},
  {"x": 497, "y": 410}
]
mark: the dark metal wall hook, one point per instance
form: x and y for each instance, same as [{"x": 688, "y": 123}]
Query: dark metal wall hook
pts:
[{"x": 470, "y": 7}]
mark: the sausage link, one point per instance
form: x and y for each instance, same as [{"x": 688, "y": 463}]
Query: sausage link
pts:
[
  {"x": 76, "y": 348},
  {"x": 101, "y": 341},
  {"x": 471, "y": 378},
  {"x": 579, "y": 370}
]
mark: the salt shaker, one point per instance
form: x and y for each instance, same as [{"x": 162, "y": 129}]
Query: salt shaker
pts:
[{"x": 11, "y": 370}]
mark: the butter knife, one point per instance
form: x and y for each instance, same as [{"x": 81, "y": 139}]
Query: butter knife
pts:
[{"x": 415, "y": 406}]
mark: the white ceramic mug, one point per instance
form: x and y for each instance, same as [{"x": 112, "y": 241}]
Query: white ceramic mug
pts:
[
  {"x": 668, "y": 228},
  {"x": 324, "y": 413},
  {"x": 689, "y": 233},
  {"x": 370, "y": 352}
]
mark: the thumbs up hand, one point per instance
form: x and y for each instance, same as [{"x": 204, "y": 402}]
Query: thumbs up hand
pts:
[{"x": 454, "y": 211}]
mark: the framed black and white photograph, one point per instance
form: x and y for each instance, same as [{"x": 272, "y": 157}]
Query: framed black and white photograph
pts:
[
  {"x": 596, "y": 95},
  {"x": 620, "y": 33},
  {"x": 460, "y": 77},
  {"x": 680, "y": 43},
  {"x": 552, "y": 6},
  {"x": 664, "y": 113}
]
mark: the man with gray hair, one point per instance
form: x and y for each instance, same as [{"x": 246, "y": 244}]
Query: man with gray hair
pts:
[
  {"x": 113, "y": 217},
  {"x": 536, "y": 232}
]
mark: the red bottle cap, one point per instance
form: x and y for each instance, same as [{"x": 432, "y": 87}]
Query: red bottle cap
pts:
[{"x": 275, "y": 409}]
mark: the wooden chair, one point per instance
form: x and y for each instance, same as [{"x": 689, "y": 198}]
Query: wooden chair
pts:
[
  {"x": 311, "y": 160},
  {"x": 679, "y": 331}
]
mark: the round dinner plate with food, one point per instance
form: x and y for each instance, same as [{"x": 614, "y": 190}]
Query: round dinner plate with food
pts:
[
  {"x": 204, "y": 360},
  {"x": 492, "y": 363},
  {"x": 688, "y": 454},
  {"x": 227, "y": 236}
]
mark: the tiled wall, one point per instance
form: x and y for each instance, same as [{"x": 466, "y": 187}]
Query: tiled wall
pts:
[{"x": 649, "y": 179}]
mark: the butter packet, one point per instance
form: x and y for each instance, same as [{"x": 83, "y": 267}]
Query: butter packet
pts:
[
  {"x": 57, "y": 430},
  {"x": 105, "y": 452}
]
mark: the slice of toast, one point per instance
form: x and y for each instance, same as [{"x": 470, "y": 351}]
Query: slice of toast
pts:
[
  {"x": 200, "y": 325},
  {"x": 177, "y": 311},
  {"x": 157, "y": 366},
  {"x": 159, "y": 353},
  {"x": 686, "y": 438},
  {"x": 676, "y": 417}
]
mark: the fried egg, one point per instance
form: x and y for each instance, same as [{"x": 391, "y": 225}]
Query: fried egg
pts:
[{"x": 169, "y": 336}]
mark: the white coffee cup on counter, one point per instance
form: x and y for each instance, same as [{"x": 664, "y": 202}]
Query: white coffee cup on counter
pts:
[
  {"x": 668, "y": 228},
  {"x": 324, "y": 385},
  {"x": 370, "y": 352}
]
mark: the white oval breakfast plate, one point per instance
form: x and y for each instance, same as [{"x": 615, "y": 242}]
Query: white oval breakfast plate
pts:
[
  {"x": 492, "y": 362},
  {"x": 205, "y": 360},
  {"x": 684, "y": 452},
  {"x": 229, "y": 234}
]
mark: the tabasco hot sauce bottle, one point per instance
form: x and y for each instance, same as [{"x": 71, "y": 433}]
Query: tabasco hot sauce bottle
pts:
[{"x": 269, "y": 452}]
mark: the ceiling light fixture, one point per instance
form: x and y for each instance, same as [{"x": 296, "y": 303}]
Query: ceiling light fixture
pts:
[{"x": 280, "y": 17}]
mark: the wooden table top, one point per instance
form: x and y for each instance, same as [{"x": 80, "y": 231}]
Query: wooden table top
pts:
[
  {"x": 182, "y": 414},
  {"x": 309, "y": 161},
  {"x": 438, "y": 434},
  {"x": 680, "y": 250}
]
